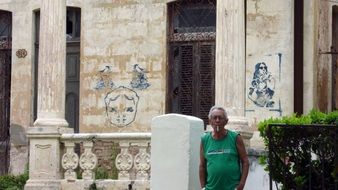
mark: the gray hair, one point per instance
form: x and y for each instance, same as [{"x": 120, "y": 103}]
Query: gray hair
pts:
[{"x": 217, "y": 108}]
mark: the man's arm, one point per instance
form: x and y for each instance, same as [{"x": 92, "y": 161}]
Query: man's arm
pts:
[
  {"x": 244, "y": 161},
  {"x": 202, "y": 167}
]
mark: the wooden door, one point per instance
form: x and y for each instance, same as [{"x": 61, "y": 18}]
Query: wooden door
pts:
[
  {"x": 72, "y": 85},
  {"x": 73, "y": 32},
  {"x": 192, "y": 71}
]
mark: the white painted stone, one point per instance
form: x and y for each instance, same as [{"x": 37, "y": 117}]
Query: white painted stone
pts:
[
  {"x": 256, "y": 141},
  {"x": 230, "y": 57},
  {"x": 175, "y": 146},
  {"x": 18, "y": 159}
]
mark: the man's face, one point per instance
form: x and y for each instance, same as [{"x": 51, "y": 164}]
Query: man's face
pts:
[{"x": 218, "y": 118}]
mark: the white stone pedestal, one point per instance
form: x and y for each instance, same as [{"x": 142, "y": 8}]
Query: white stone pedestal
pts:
[
  {"x": 44, "y": 158},
  {"x": 175, "y": 144}
]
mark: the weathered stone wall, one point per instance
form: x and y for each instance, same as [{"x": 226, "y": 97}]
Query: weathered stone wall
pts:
[
  {"x": 123, "y": 65},
  {"x": 21, "y": 82},
  {"x": 269, "y": 59}
]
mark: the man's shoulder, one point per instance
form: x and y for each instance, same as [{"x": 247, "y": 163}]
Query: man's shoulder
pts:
[
  {"x": 205, "y": 135},
  {"x": 233, "y": 134}
]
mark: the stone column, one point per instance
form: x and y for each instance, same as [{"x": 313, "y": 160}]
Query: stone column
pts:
[
  {"x": 44, "y": 160},
  {"x": 230, "y": 61}
]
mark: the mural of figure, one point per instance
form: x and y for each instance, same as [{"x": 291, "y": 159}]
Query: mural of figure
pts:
[
  {"x": 262, "y": 86},
  {"x": 140, "y": 80},
  {"x": 105, "y": 80},
  {"x": 121, "y": 106}
]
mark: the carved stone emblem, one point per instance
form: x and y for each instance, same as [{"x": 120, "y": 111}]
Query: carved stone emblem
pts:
[
  {"x": 70, "y": 162},
  {"x": 88, "y": 162},
  {"x": 142, "y": 165},
  {"x": 124, "y": 161},
  {"x": 21, "y": 53},
  {"x": 142, "y": 161}
]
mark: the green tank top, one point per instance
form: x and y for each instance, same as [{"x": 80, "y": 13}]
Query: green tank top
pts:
[{"x": 222, "y": 162}]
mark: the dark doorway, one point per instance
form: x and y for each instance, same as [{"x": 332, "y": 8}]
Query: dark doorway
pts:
[
  {"x": 192, "y": 34},
  {"x": 5, "y": 87},
  {"x": 73, "y": 67},
  {"x": 73, "y": 31},
  {"x": 334, "y": 51},
  {"x": 298, "y": 56}
]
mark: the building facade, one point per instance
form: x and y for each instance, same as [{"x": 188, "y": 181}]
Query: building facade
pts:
[{"x": 111, "y": 66}]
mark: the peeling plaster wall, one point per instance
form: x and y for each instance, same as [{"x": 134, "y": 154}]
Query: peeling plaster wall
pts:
[
  {"x": 21, "y": 105},
  {"x": 121, "y": 41},
  {"x": 20, "y": 82},
  {"x": 269, "y": 59}
]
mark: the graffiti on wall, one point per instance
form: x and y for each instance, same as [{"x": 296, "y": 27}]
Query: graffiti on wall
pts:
[
  {"x": 140, "y": 80},
  {"x": 121, "y": 101},
  {"x": 121, "y": 106},
  {"x": 262, "y": 87},
  {"x": 105, "y": 81}
]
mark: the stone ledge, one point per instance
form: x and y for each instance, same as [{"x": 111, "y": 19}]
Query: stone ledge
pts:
[
  {"x": 45, "y": 132},
  {"x": 43, "y": 185}
]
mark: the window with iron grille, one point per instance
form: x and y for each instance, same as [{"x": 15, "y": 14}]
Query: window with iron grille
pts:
[
  {"x": 5, "y": 86},
  {"x": 192, "y": 34}
]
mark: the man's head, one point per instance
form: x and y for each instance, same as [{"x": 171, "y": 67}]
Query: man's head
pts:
[{"x": 218, "y": 116}]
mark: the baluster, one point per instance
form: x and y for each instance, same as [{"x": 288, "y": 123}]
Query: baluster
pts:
[
  {"x": 142, "y": 161},
  {"x": 70, "y": 161},
  {"x": 88, "y": 161},
  {"x": 124, "y": 161}
]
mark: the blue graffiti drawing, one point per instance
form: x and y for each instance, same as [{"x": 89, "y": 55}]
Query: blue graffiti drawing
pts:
[
  {"x": 105, "y": 80},
  {"x": 262, "y": 86},
  {"x": 140, "y": 80},
  {"x": 121, "y": 106}
]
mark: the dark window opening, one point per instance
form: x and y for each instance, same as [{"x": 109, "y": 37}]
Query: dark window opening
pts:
[
  {"x": 334, "y": 50},
  {"x": 298, "y": 57},
  {"x": 191, "y": 17},
  {"x": 73, "y": 26},
  {"x": 5, "y": 88}
]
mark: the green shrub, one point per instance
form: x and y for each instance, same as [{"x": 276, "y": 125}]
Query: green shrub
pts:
[
  {"x": 101, "y": 173},
  {"x": 291, "y": 155},
  {"x": 11, "y": 182}
]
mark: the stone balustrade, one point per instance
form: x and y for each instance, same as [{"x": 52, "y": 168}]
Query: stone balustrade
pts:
[{"x": 125, "y": 160}]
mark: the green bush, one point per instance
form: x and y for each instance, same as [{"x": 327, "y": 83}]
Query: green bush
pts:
[
  {"x": 11, "y": 182},
  {"x": 291, "y": 157}
]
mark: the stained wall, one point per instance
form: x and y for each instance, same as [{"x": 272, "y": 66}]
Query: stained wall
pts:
[
  {"x": 269, "y": 59},
  {"x": 123, "y": 65},
  {"x": 124, "y": 61}
]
